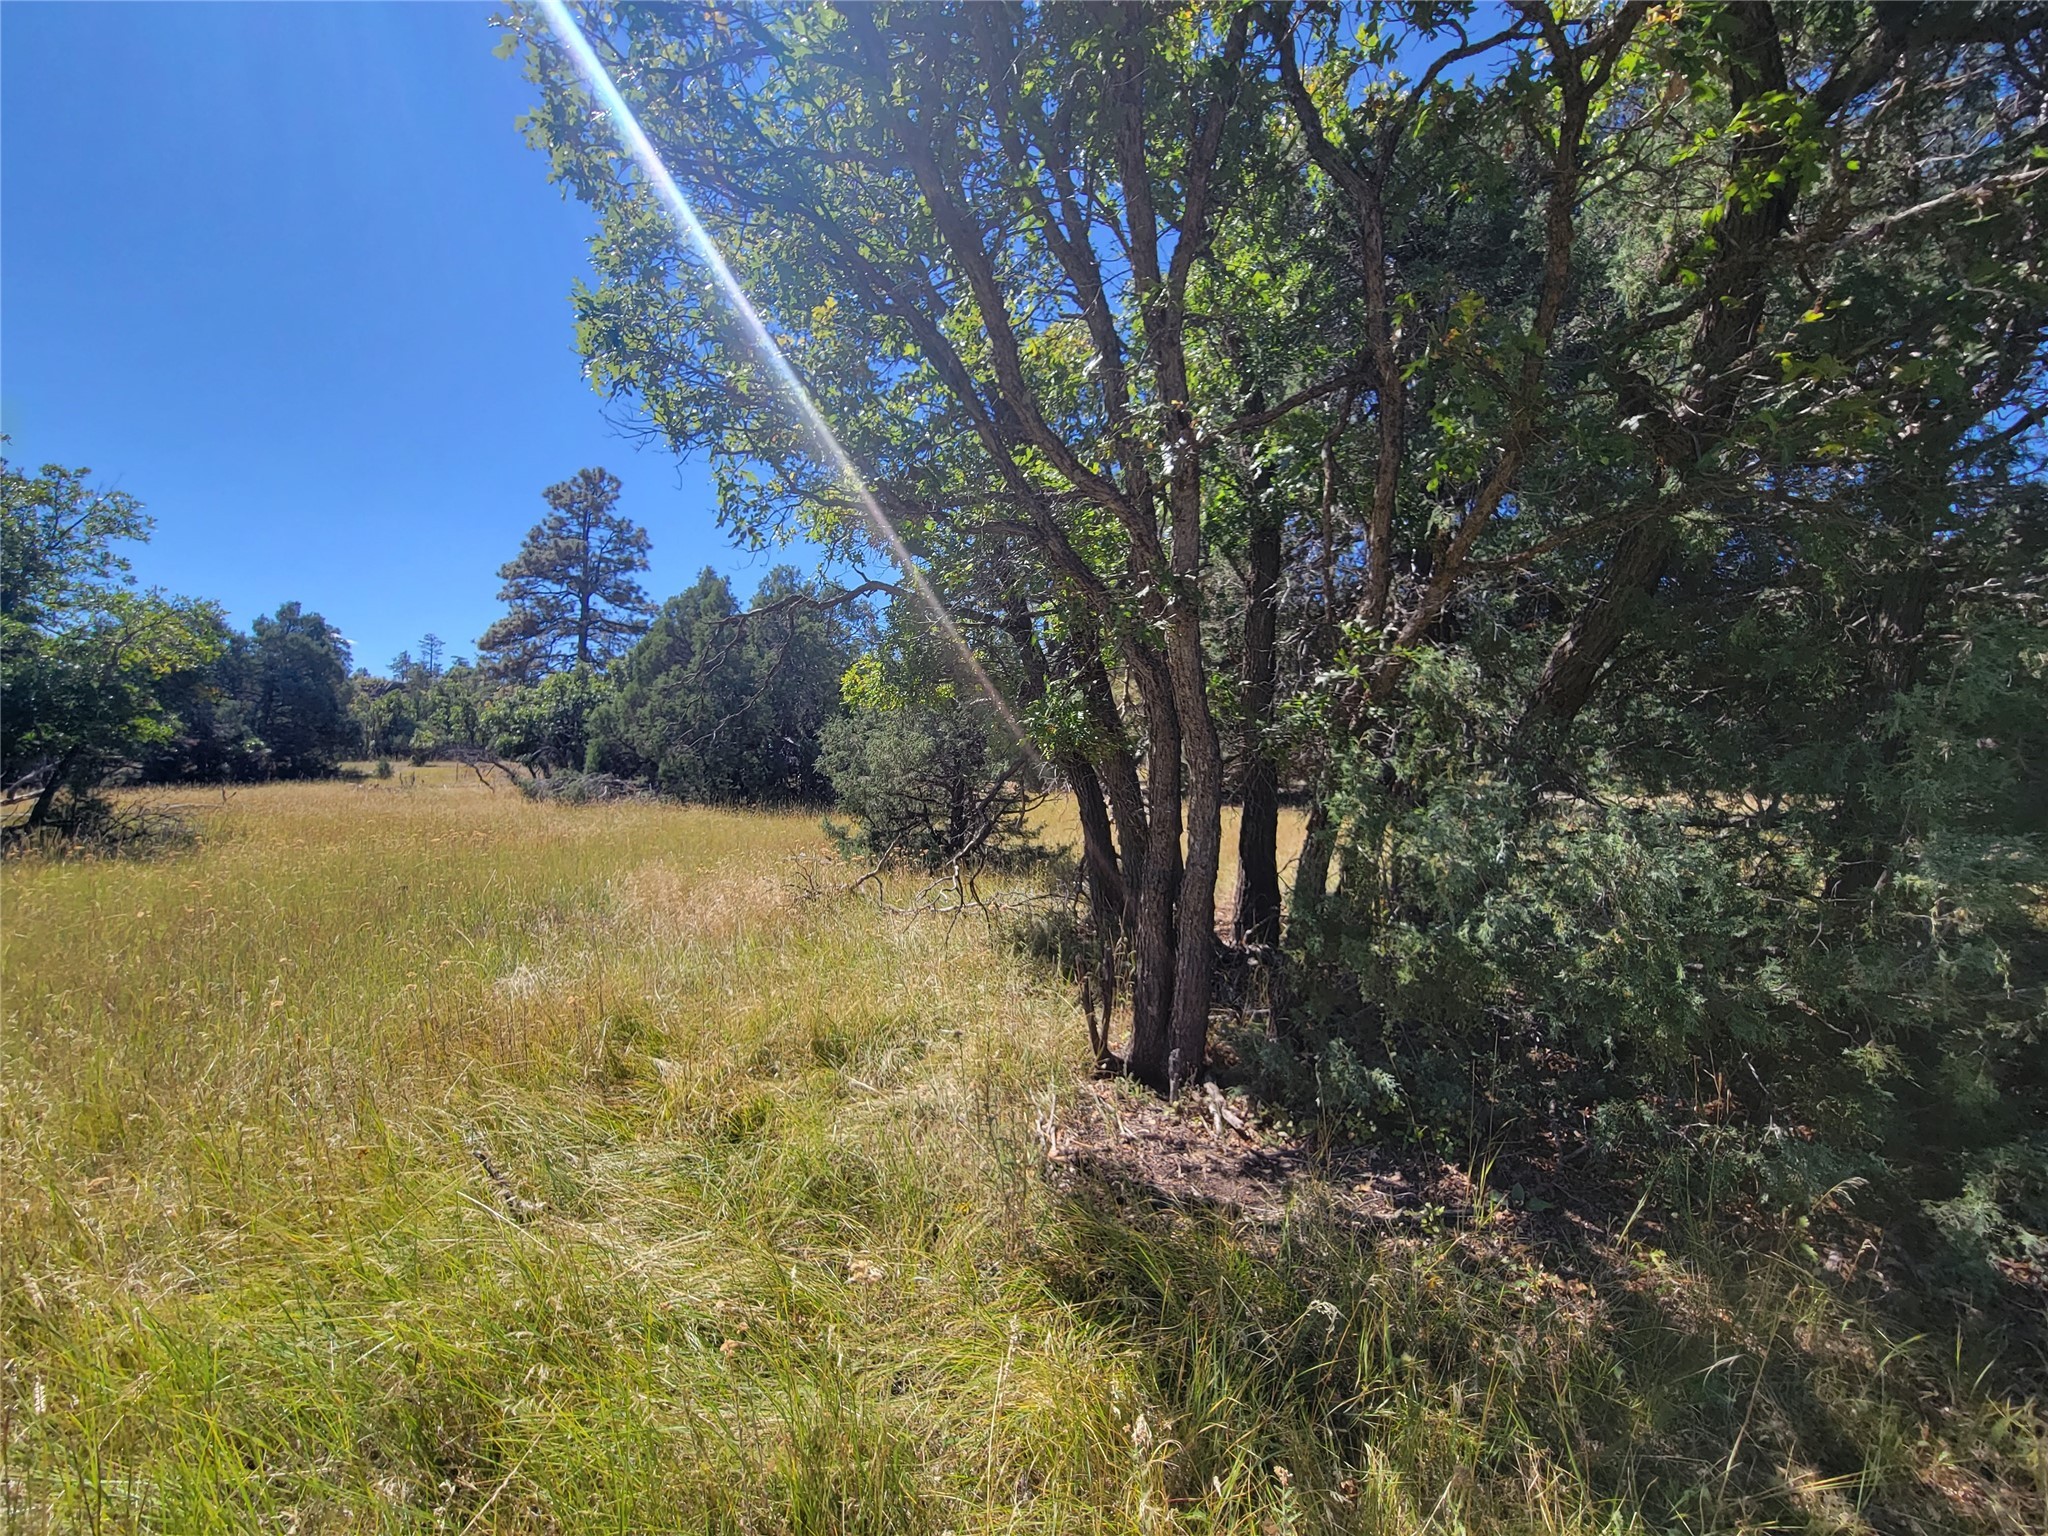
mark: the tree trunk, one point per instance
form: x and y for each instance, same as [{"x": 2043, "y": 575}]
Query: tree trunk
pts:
[
  {"x": 1574, "y": 665},
  {"x": 47, "y": 796},
  {"x": 1195, "y": 921},
  {"x": 1107, "y": 898},
  {"x": 1114, "y": 764},
  {"x": 1257, "y": 919},
  {"x": 1312, "y": 871},
  {"x": 1154, "y": 934},
  {"x": 1258, "y": 866}
]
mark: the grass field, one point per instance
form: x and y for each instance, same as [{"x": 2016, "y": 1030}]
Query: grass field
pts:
[{"x": 406, "y": 1156}]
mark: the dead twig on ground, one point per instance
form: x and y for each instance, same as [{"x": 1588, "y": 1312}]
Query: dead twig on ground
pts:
[{"x": 521, "y": 1208}]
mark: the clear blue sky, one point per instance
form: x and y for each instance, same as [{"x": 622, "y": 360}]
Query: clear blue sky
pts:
[{"x": 289, "y": 274}]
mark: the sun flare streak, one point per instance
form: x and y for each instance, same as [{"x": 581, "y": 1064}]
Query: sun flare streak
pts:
[{"x": 633, "y": 139}]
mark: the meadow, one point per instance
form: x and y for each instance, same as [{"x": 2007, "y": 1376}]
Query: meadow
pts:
[{"x": 406, "y": 1156}]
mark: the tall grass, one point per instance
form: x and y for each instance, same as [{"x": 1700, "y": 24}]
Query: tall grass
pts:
[{"x": 412, "y": 1157}]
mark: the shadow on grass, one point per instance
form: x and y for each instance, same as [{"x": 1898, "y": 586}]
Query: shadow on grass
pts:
[
  {"x": 1380, "y": 1349},
  {"x": 94, "y": 826}
]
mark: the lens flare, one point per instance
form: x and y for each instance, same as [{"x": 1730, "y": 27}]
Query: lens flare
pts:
[{"x": 633, "y": 139}]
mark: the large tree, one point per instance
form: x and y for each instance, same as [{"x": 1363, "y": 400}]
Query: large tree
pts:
[
  {"x": 1225, "y": 369},
  {"x": 722, "y": 703},
  {"x": 992, "y": 236},
  {"x": 571, "y": 594},
  {"x": 87, "y": 659},
  {"x": 298, "y": 685}
]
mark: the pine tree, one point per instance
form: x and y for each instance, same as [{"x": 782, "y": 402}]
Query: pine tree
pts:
[{"x": 570, "y": 593}]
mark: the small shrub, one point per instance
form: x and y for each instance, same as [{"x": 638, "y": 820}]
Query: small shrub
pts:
[
  {"x": 583, "y": 788},
  {"x": 930, "y": 784}
]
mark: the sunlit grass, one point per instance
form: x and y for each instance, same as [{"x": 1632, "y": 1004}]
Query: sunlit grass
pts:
[
  {"x": 794, "y": 1267},
  {"x": 1056, "y": 824}
]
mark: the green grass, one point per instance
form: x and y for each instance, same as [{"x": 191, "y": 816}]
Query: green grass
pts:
[{"x": 797, "y": 1267}]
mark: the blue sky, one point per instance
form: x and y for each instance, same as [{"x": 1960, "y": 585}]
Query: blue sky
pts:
[{"x": 289, "y": 274}]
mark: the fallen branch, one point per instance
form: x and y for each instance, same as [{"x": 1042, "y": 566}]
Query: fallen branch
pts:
[
  {"x": 521, "y": 1207},
  {"x": 1221, "y": 1114}
]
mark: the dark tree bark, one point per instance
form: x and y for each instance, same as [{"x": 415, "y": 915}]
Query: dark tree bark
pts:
[
  {"x": 1312, "y": 870},
  {"x": 1257, "y": 919},
  {"x": 1195, "y": 921},
  {"x": 1115, "y": 764},
  {"x": 1107, "y": 897},
  {"x": 1154, "y": 940},
  {"x": 46, "y": 798},
  {"x": 1162, "y": 291},
  {"x": 1576, "y": 661}
]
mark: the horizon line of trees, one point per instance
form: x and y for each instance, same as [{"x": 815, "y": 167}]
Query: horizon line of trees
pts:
[
  {"x": 99, "y": 675},
  {"x": 698, "y": 698}
]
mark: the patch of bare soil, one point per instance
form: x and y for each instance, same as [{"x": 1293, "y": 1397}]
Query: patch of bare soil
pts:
[
  {"x": 1209, "y": 1151},
  {"x": 1542, "y": 1210},
  {"x": 1564, "y": 1254}
]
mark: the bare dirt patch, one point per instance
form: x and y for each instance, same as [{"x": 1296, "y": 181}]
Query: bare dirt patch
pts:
[{"x": 1190, "y": 1153}]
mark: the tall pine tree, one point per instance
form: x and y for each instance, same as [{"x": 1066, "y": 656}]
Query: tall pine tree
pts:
[{"x": 570, "y": 593}]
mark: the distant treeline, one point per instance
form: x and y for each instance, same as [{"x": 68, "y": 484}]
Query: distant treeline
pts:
[
  {"x": 712, "y": 702},
  {"x": 698, "y": 698},
  {"x": 100, "y": 676}
]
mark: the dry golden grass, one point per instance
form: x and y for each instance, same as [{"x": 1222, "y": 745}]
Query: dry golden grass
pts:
[
  {"x": 1056, "y": 823},
  {"x": 408, "y": 1156},
  {"x": 244, "y": 1087}
]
